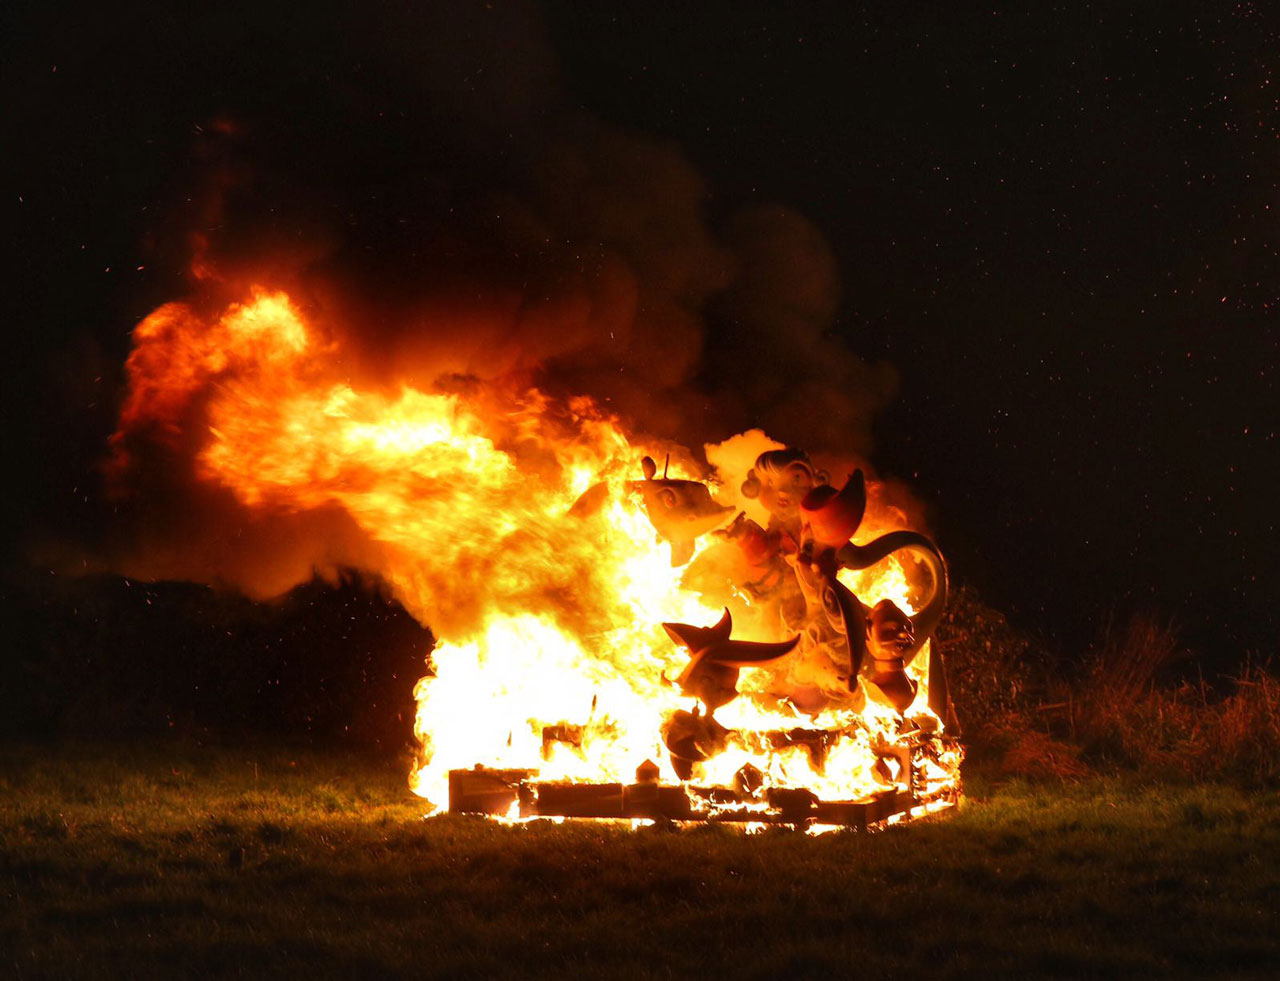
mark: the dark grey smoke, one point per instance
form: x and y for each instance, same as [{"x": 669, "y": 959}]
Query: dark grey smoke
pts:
[
  {"x": 423, "y": 186},
  {"x": 498, "y": 228}
]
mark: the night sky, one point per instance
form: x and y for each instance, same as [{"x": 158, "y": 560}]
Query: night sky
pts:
[{"x": 1058, "y": 225}]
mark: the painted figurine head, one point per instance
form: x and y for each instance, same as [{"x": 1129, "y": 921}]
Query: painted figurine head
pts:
[
  {"x": 890, "y": 633},
  {"x": 780, "y": 480}
]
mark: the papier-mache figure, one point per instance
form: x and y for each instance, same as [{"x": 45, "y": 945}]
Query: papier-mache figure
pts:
[
  {"x": 847, "y": 627},
  {"x": 679, "y": 510},
  {"x": 780, "y": 480},
  {"x": 795, "y": 562}
]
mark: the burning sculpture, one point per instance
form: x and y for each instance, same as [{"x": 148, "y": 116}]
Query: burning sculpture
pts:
[
  {"x": 868, "y": 650},
  {"x": 610, "y": 646}
]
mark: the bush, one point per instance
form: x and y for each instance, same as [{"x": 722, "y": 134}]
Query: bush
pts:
[
  {"x": 103, "y": 656},
  {"x": 1125, "y": 712},
  {"x": 1027, "y": 714},
  {"x": 996, "y": 673},
  {"x": 1116, "y": 713},
  {"x": 1193, "y": 732}
]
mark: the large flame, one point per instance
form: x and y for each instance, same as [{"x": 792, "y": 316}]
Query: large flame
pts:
[{"x": 506, "y": 523}]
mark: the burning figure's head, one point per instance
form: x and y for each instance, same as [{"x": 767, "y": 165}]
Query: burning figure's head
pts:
[
  {"x": 681, "y": 510},
  {"x": 780, "y": 480}
]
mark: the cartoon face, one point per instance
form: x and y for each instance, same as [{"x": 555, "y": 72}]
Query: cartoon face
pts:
[
  {"x": 680, "y": 512},
  {"x": 782, "y": 491},
  {"x": 891, "y": 631},
  {"x": 780, "y": 480}
]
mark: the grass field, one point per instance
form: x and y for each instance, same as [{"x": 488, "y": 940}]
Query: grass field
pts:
[{"x": 136, "y": 861}]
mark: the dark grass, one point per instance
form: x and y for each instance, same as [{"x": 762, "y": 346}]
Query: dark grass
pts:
[{"x": 146, "y": 862}]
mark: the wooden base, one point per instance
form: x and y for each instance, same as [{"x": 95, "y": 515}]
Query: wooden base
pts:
[{"x": 505, "y": 792}]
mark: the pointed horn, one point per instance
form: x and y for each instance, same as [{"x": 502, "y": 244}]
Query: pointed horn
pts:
[
  {"x": 724, "y": 629},
  {"x": 746, "y": 653}
]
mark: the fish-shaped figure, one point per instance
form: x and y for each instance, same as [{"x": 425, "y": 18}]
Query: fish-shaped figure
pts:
[
  {"x": 712, "y": 673},
  {"x": 679, "y": 510}
]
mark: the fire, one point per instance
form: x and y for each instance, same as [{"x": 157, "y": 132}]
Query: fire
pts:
[{"x": 510, "y": 522}]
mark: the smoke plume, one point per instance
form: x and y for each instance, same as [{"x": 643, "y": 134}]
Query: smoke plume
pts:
[{"x": 447, "y": 216}]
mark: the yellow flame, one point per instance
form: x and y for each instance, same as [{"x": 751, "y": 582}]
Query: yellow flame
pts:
[{"x": 508, "y": 525}]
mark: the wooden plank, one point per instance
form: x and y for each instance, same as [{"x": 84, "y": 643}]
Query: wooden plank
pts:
[
  {"x": 651, "y": 800},
  {"x": 491, "y": 791},
  {"x": 794, "y": 805},
  {"x": 886, "y": 805},
  {"x": 588, "y": 800},
  {"x": 483, "y": 790},
  {"x": 722, "y": 805},
  {"x": 850, "y": 813}
]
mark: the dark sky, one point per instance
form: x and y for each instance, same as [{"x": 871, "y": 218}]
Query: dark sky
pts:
[{"x": 1060, "y": 225}]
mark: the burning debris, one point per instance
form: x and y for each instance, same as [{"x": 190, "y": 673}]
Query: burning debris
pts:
[{"x": 723, "y": 642}]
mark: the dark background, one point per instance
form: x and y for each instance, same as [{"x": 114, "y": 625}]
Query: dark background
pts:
[{"x": 1059, "y": 226}]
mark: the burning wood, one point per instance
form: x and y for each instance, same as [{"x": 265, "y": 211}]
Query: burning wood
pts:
[{"x": 515, "y": 793}]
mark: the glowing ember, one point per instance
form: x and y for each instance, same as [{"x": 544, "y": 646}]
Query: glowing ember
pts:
[{"x": 527, "y": 532}]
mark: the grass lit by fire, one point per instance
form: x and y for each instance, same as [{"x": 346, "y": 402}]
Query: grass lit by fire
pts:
[{"x": 145, "y": 862}]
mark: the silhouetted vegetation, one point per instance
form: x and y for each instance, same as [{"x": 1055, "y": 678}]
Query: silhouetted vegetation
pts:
[
  {"x": 1181, "y": 728},
  {"x": 102, "y": 656},
  {"x": 334, "y": 665},
  {"x": 1134, "y": 701}
]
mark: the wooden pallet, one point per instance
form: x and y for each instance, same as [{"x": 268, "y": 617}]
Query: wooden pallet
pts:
[{"x": 505, "y": 792}]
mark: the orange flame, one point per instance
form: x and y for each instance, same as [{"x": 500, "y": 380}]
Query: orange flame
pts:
[{"x": 506, "y": 523}]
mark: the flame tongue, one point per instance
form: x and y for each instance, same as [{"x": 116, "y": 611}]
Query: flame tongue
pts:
[{"x": 509, "y": 522}]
